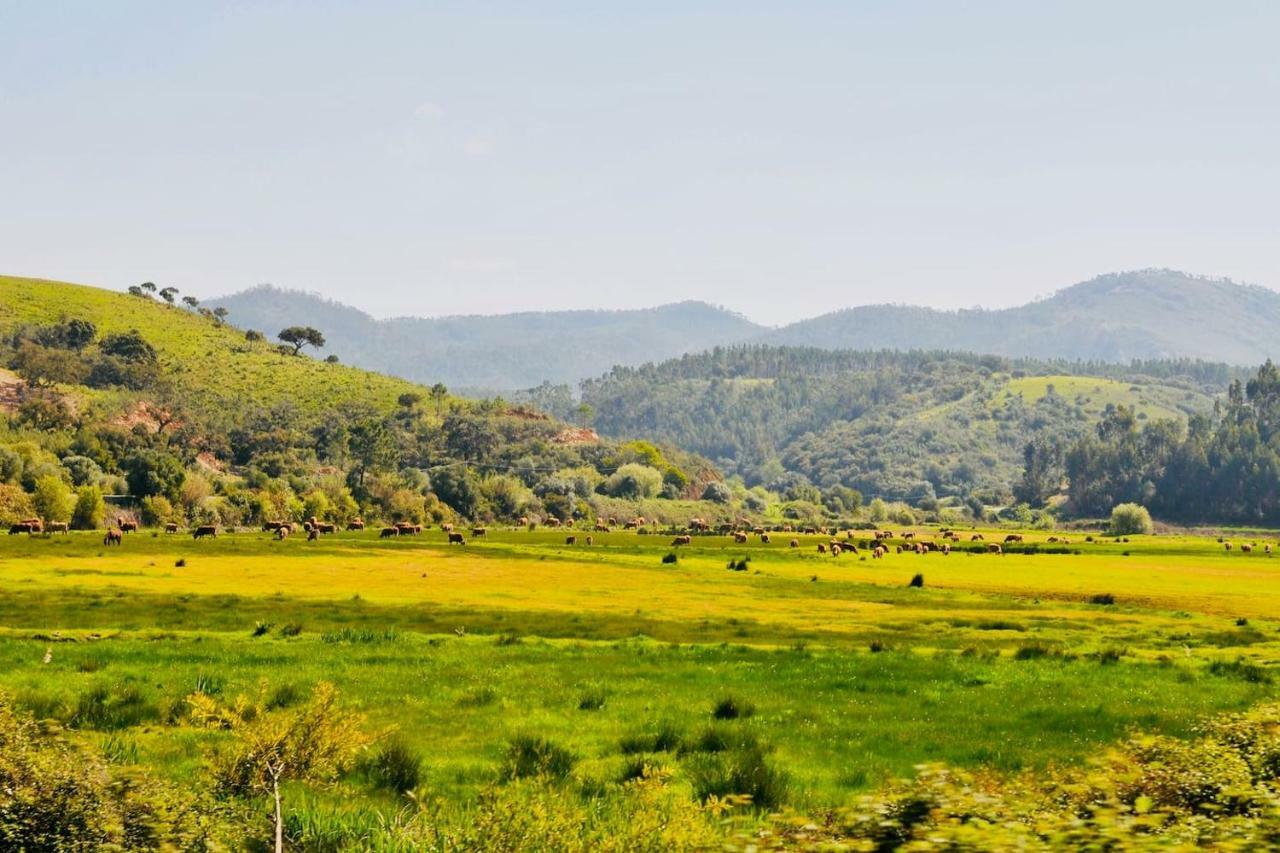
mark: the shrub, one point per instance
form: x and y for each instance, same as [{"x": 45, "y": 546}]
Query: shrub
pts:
[
  {"x": 1130, "y": 518},
  {"x": 89, "y": 508},
  {"x": 262, "y": 628},
  {"x": 732, "y": 708},
  {"x": 667, "y": 738},
  {"x": 291, "y": 629},
  {"x": 508, "y": 638},
  {"x": 740, "y": 772},
  {"x": 669, "y": 557},
  {"x": 917, "y": 580},
  {"x": 107, "y": 709},
  {"x": 1031, "y": 652},
  {"x": 529, "y": 756},
  {"x": 591, "y": 699}
]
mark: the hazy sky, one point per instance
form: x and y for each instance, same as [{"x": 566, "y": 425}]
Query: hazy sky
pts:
[{"x": 781, "y": 159}]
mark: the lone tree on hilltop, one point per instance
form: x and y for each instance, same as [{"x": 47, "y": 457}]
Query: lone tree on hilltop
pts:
[
  {"x": 168, "y": 294},
  {"x": 301, "y": 336},
  {"x": 148, "y": 286},
  {"x": 190, "y": 301}
]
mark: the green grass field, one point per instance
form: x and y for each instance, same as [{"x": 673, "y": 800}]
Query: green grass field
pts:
[{"x": 1000, "y": 661}]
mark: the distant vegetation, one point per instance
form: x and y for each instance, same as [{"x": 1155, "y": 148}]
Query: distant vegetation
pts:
[
  {"x": 913, "y": 426},
  {"x": 1144, "y": 315}
]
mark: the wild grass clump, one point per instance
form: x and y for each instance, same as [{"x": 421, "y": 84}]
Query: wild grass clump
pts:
[
  {"x": 209, "y": 684},
  {"x": 999, "y": 625},
  {"x": 291, "y": 629},
  {"x": 1107, "y": 657},
  {"x": 744, "y": 772},
  {"x": 508, "y": 638},
  {"x": 732, "y": 708},
  {"x": 360, "y": 635},
  {"x": 394, "y": 766},
  {"x": 739, "y": 565},
  {"x": 107, "y": 709},
  {"x": 876, "y": 647},
  {"x": 262, "y": 629},
  {"x": 1104, "y": 598},
  {"x": 592, "y": 698},
  {"x": 669, "y": 558},
  {"x": 1032, "y": 651},
  {"x": 284, "y": 695},
  {"x": 1241, "y": 669},
  {"x": 92, "y": 663},
  {"x": 529, "y": 757},
  {"x": 667, "y": 737}
]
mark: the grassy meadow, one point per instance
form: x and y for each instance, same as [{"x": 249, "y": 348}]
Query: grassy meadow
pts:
[{"x": 841, "y": 672}]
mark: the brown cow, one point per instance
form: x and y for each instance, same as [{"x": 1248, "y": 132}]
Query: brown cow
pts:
[
  {"x": 878, "y": 552},
  {"x": 571, "y": 540},
  {"x": 835, "y": 549},
  {"x": 822, "y": 549},
  {"x": 795, "y": 543},
  {"x": 326, "y": 527},
  {"x": 446, "y": 527},
  {"x": 113, "y": 537},
  {"x": 591, "y": 540},
  {"x": 1226, "y": 545},
  {"x": 1013, "y": 537},
  {"x": 355, "y": 524},
  {"x": 388, "y": 532},
  {"x": 977, "y": 537},
  {"x": 994, "y": 548},
  {"x": 313, "y": 533},
  {"x": 57, "y": 527},
  {"x": 552, "y": 522},
  {"x": 946, "y": 550},
  {"x": 764, "y": 538},
  {"x": 456, "y": 539},
  {"x": 171, "y": 528},
  {"x": 682, "y": 540},
  {"x": 601, "y": 527},
  {"x": 1245, "y": 547},
  {"x": 283, "y": 531},
  {"x": 204, "y": 530},
  {"x": 479, "y": 531},
  {"x": 404, "y": 528},
  {"x": 739, "y": 538}
]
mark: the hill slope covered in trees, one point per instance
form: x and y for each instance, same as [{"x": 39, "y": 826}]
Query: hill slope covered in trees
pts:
[
  {"x": 904, "y": 426},
  {"x": 500, "y": 352},
  {"x": 1147, "y": 314}
]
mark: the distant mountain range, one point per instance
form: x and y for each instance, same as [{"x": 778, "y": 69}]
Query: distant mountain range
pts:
[{"x": 1147, "y": 314}]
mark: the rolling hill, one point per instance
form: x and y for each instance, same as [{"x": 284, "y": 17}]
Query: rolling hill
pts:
[
  {"x": 1148, "y": 314},
  {"x": 501, "y": 352},
  {"x": 899, "y": 425}
]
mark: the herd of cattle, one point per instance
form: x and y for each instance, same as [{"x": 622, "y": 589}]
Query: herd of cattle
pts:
[{"x": 879, "y": 543}]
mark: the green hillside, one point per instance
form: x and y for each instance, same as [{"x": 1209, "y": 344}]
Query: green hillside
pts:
[{"x": 213, "y": 361}]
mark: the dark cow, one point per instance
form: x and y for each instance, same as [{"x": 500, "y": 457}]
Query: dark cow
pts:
[
  {"x": 795, "y": 543},
  {"x": 388, "y": 532},
  {"x": 478, "y": 531},
  {"x": 355, "y": 524},
  {"x": 571, "y": 540},
  {"x": 128, "y": 527},
  {"x": 590, "y": 540},
  {"x": 977, "y": 537},
  {"x": 171, "y": 528},
  {"x": 682, "y": 540},
  {"x": 739, "y": 537},
  {"x": 57, "y": 527},
  {"x": 204, "y": 530},
  {"x": 313, "y": 534},
  {"x": 1013, "y": 537},
  {"x": 456, "y": 539},
  {"x": 325, "y": 527},
  {"x": 113, "y": 537},
  {"x": 764, "y": 538}
]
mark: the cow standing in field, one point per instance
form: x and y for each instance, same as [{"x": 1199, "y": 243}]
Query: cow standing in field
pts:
[
  {"x": 739, "y": 538},
  {"x": 590, "y": 541},
  {"x": 204, "y": 530},
  {"x": 795, "y": 543},
  {"x": 355, "y": 524},
  {"x": 571, "y": 540},
  {"x": 171, "y": 528},
  {"x": 282, "y": 532},
  {"x": 57, "y": 527},
  {"x": 764, "y": 538},
  {"x": 456, "y": 539},
  {"x": 977, "y": 537},
  {"x": 313, "y": 534},
  {"x": 113, "y": 537},
  {"x": 479, "y": 531},
  {"x": 682, "y": 540},
  {"x": 388, "y": 532},
  {"x": 1013, "y": 537},
  {"x": 994, "y": 548}
]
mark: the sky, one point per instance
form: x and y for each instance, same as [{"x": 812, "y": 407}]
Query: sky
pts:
[{"x": 779, "y": 159}]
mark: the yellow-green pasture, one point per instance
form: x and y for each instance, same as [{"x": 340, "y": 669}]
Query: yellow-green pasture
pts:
[{"x": 1009, "y": 660}]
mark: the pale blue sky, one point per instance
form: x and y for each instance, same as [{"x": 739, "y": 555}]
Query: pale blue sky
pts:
[{"x": 782, "y": 159}]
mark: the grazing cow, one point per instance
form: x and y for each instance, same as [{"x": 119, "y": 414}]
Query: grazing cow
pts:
[
  {"x": 684, "y": 539},
  {"x": 552, "y": 522},
  {"x": 326, "y": 527},
  {"x": 601, "y": 527},
  {"x": 171, "y": 528},
  {"x": 946, "y": 550},
  {"x": 524, "y": 521},
  {"x": 739, "y": 537},
  {"x": 994, "y": 548},
  {"x": 271, "y": 526},
  {"x": 787, "y": 528},
  {"x": 388, "y": 532},
  {"x": 795, "y": 543},
  {"x": 19, "y": 527},
  {"x": 478, "y": 531},
  {"x": 355, "y": 524},
  {"x": 129, "y": 527},
  {"x": 764, "y": 538},
  {"x": 404, "y": 528},
  {"x": 591, "y": 540},
  {"x": 313, "y": 534},
  {"x": 1052, "y": 539},
  {"x": 571, "y": 540},
  {"x": 822, "y": 549},
  {"x": 977, "y": 537},
  {"x": 908, "y": 535},
  {"x": 835, "y": 549},
  {"x": 699, "y": 525},
  {"x": 57, "y": 527},
  {"x": 878, "y": 552},
  {"x": 307, "y": 525},
  {"x": 1226, "y": 545},
  {"x": 456, "y": 539},
  {"x": 283, "y": 531},
  {"x": 1013, "y": 537},
  {"x": 113, "y": 537},
  {"x": 631, "y": 525},
  {"x": 447, "y": 528},
  {"x": 204, "y": 530},
  {"x": 1266, "y": 549},
  {"x": 1245, "y": 547}
]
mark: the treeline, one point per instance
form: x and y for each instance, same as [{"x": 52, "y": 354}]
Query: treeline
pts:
[
  {"x": 1222, "y": 467},
  {"x": 900, "y": 425},
  {"x": 97, "y": 418}
]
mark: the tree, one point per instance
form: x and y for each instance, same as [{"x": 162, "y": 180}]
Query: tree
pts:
[
  {"x": 148, "y": 286},
  {"x": 154, "y": 472},
  {"x": 135, "y": 290},
  {"x": 438, "y": 393},
  {"x": 372, "y": 447},
  {"x": 634, "y": 481},
  {"x": 190, "y": 301},
  {"x": 73, "y": 335},
  {"x": 168, "y": 294},
  {"x": 301, "y": 336},
  {"x": 52, "y": 499},
  {"x": 89, "y": 508},
  {"x": 1130, "y": 519},
  {"x": 1041, "y": 472},
  {"x": 44, "y": 367},
  {"x": 717, "y": 493},
  {"x": 129, "y": 346},
  {"x": 455, "y": 486},
  {"x": 220, "y": 316},
  {"x": 314, "y": 743}
]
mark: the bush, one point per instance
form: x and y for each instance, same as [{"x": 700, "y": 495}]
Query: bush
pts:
[
  {"x": 1129, "y": 519},
  {"x": 740, "y": 772},
  {"x": 717, "y": 493},
  {"x": 529, "y": 756},
  {"x": 107, "y": 709},
  {"x": 917, "y": 580},
  {"x": 591, "y": 699},
  {"x": 1105, "y": 598},
  {"x": 666, "y": 738},
  {"x": 634, "y": 481},
  {"x": 669, "y": 558},
  {"x": 89, "y": 508}
]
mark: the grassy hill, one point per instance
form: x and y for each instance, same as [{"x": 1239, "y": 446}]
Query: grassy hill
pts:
[
  {"x": 212, "y": 361},
  {"x": 894, "y": 425}
]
